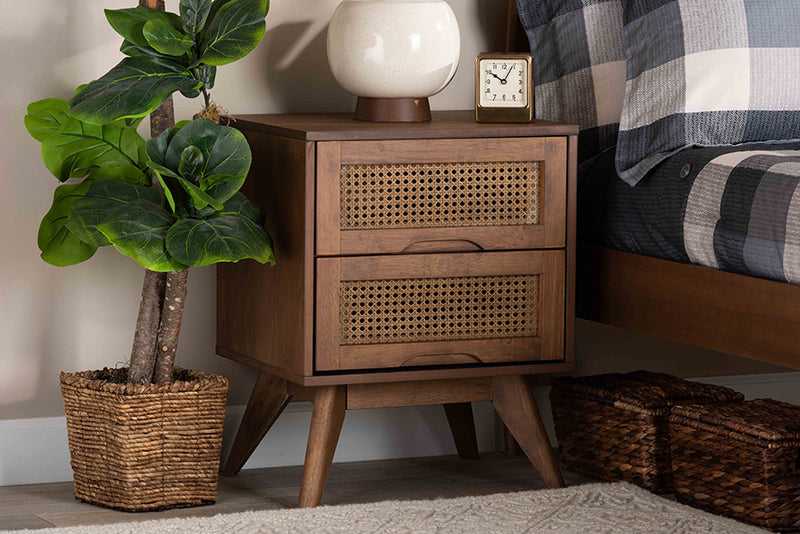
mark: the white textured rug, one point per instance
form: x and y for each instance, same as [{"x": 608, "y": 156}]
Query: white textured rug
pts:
[{"x": 589, "y": 509}]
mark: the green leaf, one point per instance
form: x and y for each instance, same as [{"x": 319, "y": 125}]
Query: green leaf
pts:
[
  {"x": 191, "y": 163},
  {"x": 239, "y": 205},
  {"x": 132, "y": 50},
  {"x": 129, "y": 23},
  {"x": 102, "y": 200},
  {"x": 224, "y": 149},
  {"x": 194, "y": 14},
  {"x": 134, "y": 88},
  {"x": 208, "y": 73},
  {"x": 78, "y": 147},
  {"x": 59, "y": 245},
  {"x": 226, "y": 160},
  {"x": 221, "y": 186},
  {"x": 46, "y": 117},
  {"x": 236, "y": 29},
  {"x": 224, "y": 237},
  {"x": 139, "y": 230},
  {"x": 167, "y": 192},
  {"x": 200, "y": 199},
  {"x": 192, "y": 93},
  {"x": 123, "y": 173},
  {"x": 166, "y": 39}
]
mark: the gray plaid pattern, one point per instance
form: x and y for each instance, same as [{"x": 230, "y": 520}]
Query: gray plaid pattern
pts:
[
  {"x": 706, "y": 73},
  {"x": 578, "y": 65},
  {"x": 743, "y": 214}
]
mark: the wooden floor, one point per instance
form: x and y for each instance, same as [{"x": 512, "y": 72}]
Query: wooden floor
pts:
[{"x": 45, "y": 505}]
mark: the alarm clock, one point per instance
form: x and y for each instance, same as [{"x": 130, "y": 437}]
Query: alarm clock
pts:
[{"x": 503, "y": 87}]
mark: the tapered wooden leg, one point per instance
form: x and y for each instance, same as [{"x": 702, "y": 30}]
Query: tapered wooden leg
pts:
[
  {"x": 330, "y": 403},
  {"x": 267, "y": 401},
  {"x": 462, "y": 426},
  {"x": 513, "y": 400}
]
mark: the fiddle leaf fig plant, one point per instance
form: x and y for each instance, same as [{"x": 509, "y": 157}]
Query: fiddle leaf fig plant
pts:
[
  {"x": 168, "y": 53},
  {"x": 169, "y": 203}
]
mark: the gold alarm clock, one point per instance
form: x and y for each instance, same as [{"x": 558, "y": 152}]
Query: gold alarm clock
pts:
[{"x": 503, "y": 87}]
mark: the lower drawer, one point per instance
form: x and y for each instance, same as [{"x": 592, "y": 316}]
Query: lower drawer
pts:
[{"x": 379, "y": 312}]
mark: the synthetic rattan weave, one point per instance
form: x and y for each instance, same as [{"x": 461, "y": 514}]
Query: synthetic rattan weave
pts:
[
  {"x": 138, "y": 448},
  {"x": 438, "y": 309},
  {"x": 742, "y": 461},
  {"x": 428, "y": 195},
  {"x": 616, "y": 426}
]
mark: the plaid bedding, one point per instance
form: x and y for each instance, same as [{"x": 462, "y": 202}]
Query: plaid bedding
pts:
[
  {"x": 578, "y": 66},
  {"x": 705, "y": 73},
  {"x": 731, "y": 208}
]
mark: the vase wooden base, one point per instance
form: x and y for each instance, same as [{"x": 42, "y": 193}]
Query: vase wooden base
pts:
[{"x": 392, "y": 109}]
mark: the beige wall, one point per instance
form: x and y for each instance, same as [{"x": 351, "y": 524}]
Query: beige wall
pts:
[{"x": 82, "y": 317}]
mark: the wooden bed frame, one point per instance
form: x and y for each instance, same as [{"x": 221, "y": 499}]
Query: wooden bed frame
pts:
[{"x": 740, "y": 315}]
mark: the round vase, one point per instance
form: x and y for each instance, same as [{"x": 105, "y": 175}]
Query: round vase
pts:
[{"x": 393, "y": 54}]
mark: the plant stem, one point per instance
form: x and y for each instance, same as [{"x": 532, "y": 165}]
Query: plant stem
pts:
[
  {"x": 206, "y": 98},
  {"x": 170, "y": 329},
  {"x": 143, "y": 351},
  {"x": 143, "y": 354}
]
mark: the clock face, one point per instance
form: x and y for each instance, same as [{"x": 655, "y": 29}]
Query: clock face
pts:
[{"x": 503, "y": 83}]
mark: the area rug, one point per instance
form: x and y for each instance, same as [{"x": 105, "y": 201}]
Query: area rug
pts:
[{"x": 618, "y": 508}]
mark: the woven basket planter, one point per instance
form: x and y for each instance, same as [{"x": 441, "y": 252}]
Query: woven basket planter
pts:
[
  {"x": 742, "y": 461},
  {"x": 616, "y": 426},
  {"x": 142, "y": 448}
]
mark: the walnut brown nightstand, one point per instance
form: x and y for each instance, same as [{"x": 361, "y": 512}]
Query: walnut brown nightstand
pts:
[{"x": 417, "y": 263}]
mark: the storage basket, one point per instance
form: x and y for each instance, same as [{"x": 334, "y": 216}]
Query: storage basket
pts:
[
  {"x": 740, "y": 461},
  {"x": 139, "y": 448},
  {"x": 616, "y": 426}
]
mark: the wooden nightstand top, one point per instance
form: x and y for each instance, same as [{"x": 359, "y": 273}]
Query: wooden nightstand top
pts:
[{"x": 445, "y": 124}]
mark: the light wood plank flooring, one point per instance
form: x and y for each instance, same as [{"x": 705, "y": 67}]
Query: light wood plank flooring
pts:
[{"x": 44, "y": 505}]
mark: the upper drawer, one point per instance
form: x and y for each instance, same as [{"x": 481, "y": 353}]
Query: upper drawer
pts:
[{"x": 440, "y": 195}]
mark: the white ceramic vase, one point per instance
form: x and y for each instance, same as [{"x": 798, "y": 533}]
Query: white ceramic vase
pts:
[{"x": 393, "y": 54}]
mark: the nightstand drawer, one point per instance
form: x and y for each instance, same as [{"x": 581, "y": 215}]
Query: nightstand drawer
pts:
[
  {"x": 439, "y": 195},
  {"x": 439, "y": 309}
]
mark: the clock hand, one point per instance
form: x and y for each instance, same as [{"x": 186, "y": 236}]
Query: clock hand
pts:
[
  {"x": 496, "y": 76},
  {"x": 507, "y": 73}
]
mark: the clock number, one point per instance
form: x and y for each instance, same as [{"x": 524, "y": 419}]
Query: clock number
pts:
[
  {"x": 494, "y": 97},
  {"x": 504, "y": 98}
]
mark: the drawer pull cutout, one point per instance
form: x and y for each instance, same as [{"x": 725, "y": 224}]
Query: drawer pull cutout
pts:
[{"x": 441, "y": 359}]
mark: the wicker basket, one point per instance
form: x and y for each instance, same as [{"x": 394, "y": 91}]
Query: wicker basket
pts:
[
  {"x": 742, "y": 461},
  {"x": 140, "y": 448},
  {"x": 616, "y": 426}
]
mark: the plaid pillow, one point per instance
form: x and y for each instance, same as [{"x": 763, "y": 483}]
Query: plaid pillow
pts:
[
  {"x": 705, "y": 73},
  {"x": 578, "y": 66}
]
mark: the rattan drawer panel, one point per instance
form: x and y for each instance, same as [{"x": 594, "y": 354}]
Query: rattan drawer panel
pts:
[
  {"x": 402, "y": 196},
  {"x": 439, "y": 309},
  {"x": 430, "y": 195}
]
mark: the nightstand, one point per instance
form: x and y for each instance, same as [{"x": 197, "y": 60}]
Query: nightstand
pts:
[{"x": 417, "y": 263}]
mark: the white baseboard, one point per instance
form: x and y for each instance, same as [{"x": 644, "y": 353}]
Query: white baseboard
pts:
[{"x": 35, "y": 450}]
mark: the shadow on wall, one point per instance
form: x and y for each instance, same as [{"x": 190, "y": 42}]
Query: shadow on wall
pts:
[
  {"x": 491, "y": 16},
  {"x": 302, "y": 82}
]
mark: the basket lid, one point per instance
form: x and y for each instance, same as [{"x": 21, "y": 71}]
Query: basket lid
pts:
[
  {"x": 647, "y": 390},
  {"x": 765, "y": 419}
]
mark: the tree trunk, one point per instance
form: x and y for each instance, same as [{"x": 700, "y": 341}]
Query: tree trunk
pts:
[
  {"x": 171, "y": 317},
  {"x": 143, "y": 352}
]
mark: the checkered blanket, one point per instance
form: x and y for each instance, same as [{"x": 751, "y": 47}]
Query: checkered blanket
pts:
[
  {"x": 731, "y": 208},
  {"x": 705, "y": 73}
]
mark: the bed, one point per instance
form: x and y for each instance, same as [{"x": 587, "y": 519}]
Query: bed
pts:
[{"x": 701, "y": 250}]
